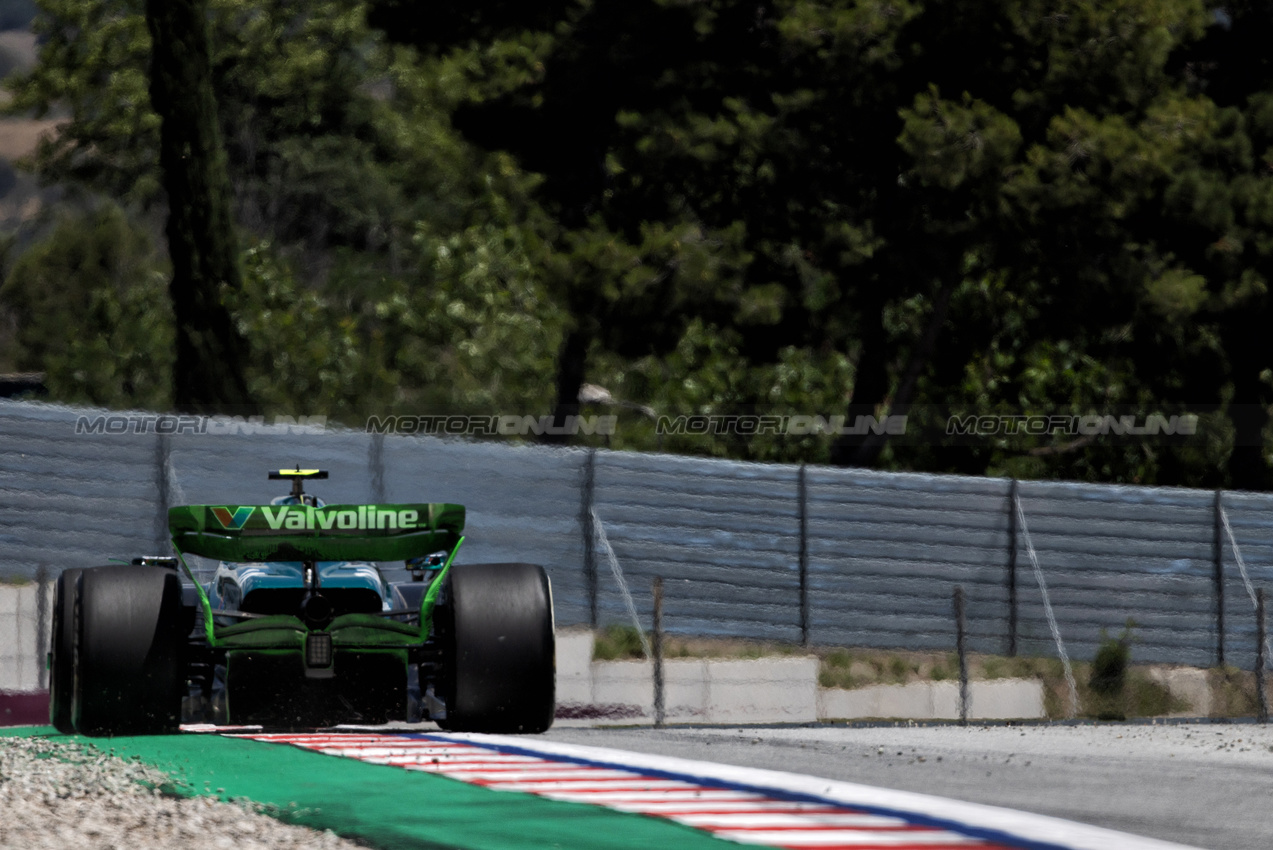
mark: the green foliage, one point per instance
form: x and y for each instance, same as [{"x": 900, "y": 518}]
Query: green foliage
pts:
[
  {"x": 617, "y": 643},
  {"x": 1178, "y": 294},
  {"x": 388, "y": 268},
  {"x": 1148, "y": 698},
  {"x": 326, "y": 140},
  {"x": 707, "y": 374},
  {"x": 952, "y": 144},
  {"x": 478, "y": 331},
  {"x": 919, "y": 207},
  {"x": 1109, "y": 667},
  {"x": 91, "y": 308},
  {"x": 1108, "y": 677},
  {"x": 92, "y": 63},
  {"x": 309, "y": 356},
  {"x": 472, "y": 332}
]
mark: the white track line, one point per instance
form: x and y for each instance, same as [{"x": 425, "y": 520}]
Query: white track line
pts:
[
  {"x": 769, "y": 820},
  {"x": 846, "y": 838}
]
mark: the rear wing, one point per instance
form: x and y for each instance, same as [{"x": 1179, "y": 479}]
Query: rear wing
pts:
[{"x": 308, "y": 533}]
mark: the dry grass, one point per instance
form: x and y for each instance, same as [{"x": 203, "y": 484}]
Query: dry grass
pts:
[
  {"x": 616, "y": 642},
  {"x": 1233, "y": 692},
  {"x": 1141, "y": 697}
]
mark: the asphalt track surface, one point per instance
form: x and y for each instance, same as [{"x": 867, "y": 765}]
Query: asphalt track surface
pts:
[
  {"x": 1201, "y": 785},
  {"x": 742, "y": 805},
  {"x": 1205, "y": 785}
]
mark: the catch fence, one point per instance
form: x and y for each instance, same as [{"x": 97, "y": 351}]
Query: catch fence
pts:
[{"x": 817, "y": 555}]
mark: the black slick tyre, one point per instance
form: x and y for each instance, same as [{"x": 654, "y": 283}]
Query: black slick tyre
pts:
[
  {"x": 496, "y": 628},
  {"x": 129, "y": 651},
  {"x": 62, "y": 650}
]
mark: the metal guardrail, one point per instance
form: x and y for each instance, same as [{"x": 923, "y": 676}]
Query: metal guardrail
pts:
[{"x": 821, "y": 555}]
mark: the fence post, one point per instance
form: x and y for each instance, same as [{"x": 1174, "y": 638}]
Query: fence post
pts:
[
  {"x": 1217, "y": 567},
  {"x": 802, "y": 496},
  {"x": 589, "y": 534},
  {"x": 1261, "y": 635},
  {"x": 961, "y": 647},
  {"x": 376, "y": 460},
  {"x": 41, "y": 626},
  {"x": 657, "y": 651},
  {"x": 1012, "y": 569},
  {"x": 163, "y": 461}
]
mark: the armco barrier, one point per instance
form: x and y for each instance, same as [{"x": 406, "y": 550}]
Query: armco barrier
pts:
[{"x": 767, "y": 551}]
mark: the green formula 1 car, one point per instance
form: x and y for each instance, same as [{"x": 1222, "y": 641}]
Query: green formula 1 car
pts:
[{"x": 299, "y": 627}]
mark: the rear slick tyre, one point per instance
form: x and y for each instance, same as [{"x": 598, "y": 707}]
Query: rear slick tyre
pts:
[
  {"x": 496, "y": 626},
  {"x": 62, "y": 651},
  {"x": 129, "y": 661}
]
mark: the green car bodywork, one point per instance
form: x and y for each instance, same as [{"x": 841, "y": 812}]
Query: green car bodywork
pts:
[
  {"x": 300, "y": 627},
  {"x": 308, "y": 533},
  {"x": 260, "y": 533}
]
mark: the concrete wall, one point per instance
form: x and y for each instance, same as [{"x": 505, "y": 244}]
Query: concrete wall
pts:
[
  {"x": 998, "y": 699},
  {"x": 699, "y": 690},
  {"x": 767, "y": 690},
  {"x": 24, "y": 638}
]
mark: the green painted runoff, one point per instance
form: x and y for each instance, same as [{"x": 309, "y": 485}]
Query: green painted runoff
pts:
[{"x": 387, "y": 807}]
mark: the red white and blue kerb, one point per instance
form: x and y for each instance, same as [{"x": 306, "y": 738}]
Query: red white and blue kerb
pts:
[{"x": 738, "y": 812}]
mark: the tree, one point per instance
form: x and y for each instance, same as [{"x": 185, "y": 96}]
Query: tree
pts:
[
  {"x": 339, "y": 160},
  {"x": 1219, "y": 213},
  {"x": 330, "y": 137},
  {"x": 924, "y": 207},
  {"x": 92, "y": 311},
  {"x": 209, "y": 368},
  {"x": 558, "y": 86},
  {"x": 1070, "y": 241}
]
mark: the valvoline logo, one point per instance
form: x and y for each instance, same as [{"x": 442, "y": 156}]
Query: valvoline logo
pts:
[
  {"x": 235, "y": 519},
  {"x": 309, "y": 518}
]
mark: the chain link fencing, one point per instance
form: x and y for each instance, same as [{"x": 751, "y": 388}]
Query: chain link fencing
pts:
[{"x": 812, "y": 555}]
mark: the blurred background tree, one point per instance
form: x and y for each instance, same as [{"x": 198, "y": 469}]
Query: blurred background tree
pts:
[
  {"x": 91, "y": 307},
  {"x": 839, "y": 207}
]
